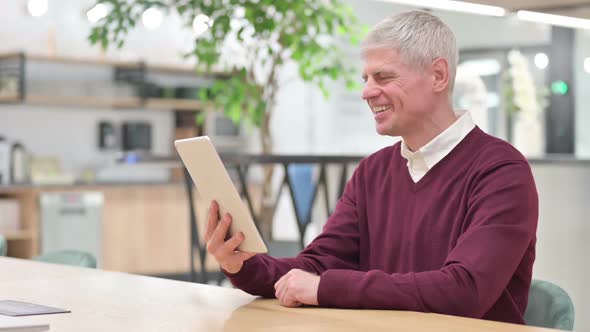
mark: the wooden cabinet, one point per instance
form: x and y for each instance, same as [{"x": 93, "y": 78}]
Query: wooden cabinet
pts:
[
  {"x": 25, "y": 242},
  {"x": 145, "y": 227}
]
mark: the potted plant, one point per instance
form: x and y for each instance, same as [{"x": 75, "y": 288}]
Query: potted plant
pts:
[
  {"x": 524, "y": 107},
  {"x": 268, "y": 34}
]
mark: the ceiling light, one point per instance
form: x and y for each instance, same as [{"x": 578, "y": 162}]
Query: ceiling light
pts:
[
  {"x": 37, "y": 8},
  {"x": 201, "y": 23},
  {"x": 97, "y": 13},
  {"x": 565, "y": 21},
  {"x": 541, "y": 60},
  {"x": 587, "y": 65},
  {"x": 152, "y": 18},
  {"x": 458, "y": 6}
]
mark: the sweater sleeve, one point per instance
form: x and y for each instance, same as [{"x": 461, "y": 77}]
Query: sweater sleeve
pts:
[
  {"x": 502, "y": 216},
  {"x": 337, "y": 247}
]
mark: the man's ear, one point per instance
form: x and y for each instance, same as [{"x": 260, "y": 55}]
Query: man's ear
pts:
[{"x": 441, "y": 76}]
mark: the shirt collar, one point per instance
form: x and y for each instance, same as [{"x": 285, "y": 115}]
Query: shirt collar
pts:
[{"x": 435, "y": 150}]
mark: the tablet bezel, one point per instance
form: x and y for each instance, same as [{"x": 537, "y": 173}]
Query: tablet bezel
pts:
[{"x": 212, "y": 182}]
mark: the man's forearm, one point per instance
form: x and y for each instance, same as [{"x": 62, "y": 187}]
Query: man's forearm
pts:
[
  {"x": 259, "y": 273},
  {"x": 449, "y": 291}
]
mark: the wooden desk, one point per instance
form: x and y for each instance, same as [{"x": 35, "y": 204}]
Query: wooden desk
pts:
[{"x": 112, "y": 301}]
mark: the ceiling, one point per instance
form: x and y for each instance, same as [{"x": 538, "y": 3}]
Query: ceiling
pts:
[{"x": 575, "y": 8}]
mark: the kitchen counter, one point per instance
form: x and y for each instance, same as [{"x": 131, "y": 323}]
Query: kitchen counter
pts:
[{"x": 134, "y": 217}]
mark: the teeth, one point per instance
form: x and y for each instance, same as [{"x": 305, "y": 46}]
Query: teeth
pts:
[{"x": 379, "y": 109}]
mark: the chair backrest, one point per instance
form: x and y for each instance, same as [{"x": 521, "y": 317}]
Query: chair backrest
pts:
[
  {"x": 303, "y": 189},
  {"x": 549, "y": 306},
  {"x": 68, "y": 257},
  {"x": 2, "y": 246}
]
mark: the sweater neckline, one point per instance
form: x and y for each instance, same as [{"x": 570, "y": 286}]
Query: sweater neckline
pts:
[{"x": 436, "y": 169}]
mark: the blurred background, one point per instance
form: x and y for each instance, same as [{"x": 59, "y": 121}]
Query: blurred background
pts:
[{"x": 86, "y": 135}]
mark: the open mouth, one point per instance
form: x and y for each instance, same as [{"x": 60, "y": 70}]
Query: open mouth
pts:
[{"x": 380, "y": 109}]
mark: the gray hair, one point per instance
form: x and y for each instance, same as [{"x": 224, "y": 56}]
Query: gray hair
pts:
[{"x": 419, "y": 37}]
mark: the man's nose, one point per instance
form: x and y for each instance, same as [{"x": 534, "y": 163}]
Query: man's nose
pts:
[{"x": 370, "y": 91}]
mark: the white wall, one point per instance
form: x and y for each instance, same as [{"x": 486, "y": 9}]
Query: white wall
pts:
[
  {"x": 64, "y": 29},
  {"x": 562, "y": 234},
  {"x": 582, "y": 94},
  {"x": 72, "y": 136}
]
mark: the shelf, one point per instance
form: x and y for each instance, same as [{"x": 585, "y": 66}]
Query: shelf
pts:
[
  {"x": 9, "y": 55},
  {"x": 82, "y": 61},
  {"x": 131, "y": 72},
  {"x": 9, "y": 99},
  {"x": 160, "y": 67},
  {"x": 175, "y": 104},
  {"x": 100, "y": 102},
  {"x": 189, "y": 105},
  {"x": 83, "y": 101},
  {"x": 18, "y": 235}
]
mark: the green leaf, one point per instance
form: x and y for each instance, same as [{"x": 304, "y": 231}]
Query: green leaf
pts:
[
  {"x": 323, "y": 88},
  {"x": 200, "y": 118}
]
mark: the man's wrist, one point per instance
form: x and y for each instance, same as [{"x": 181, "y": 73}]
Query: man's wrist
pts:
[{"x": 232, "y": 270}]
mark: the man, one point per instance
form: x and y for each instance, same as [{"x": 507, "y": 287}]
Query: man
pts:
[{"x": 443, "y": 221}]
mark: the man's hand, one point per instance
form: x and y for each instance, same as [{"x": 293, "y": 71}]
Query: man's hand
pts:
[
  {"x": 225, "y": 252},
  {"x": 297, "y": 288}
]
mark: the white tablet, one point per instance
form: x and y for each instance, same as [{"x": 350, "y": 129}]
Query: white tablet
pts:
[{"x": 212, "y": 182}]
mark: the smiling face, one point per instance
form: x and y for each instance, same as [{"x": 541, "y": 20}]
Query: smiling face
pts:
[{"x": 400, "y": 96}]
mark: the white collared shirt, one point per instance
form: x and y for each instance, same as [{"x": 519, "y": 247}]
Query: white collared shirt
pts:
[{"x": 421, "y": 161}]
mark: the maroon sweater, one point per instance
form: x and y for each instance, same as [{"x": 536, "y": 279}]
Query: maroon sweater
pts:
[{"x": 461, "y": 241}]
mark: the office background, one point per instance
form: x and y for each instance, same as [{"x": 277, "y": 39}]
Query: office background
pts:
[{"x": 68, "y": 137}]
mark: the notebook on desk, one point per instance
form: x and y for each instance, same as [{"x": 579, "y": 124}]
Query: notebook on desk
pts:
[
  {"x": 14, "y": 324},
  {"x": 19, "y": 308}
]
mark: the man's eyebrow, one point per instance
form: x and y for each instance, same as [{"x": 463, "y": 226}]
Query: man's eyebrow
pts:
[
  {"x": 373, "y": 73},
  {"x": 380, "y": 72},
  {"x": 386, "y": 72}
]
